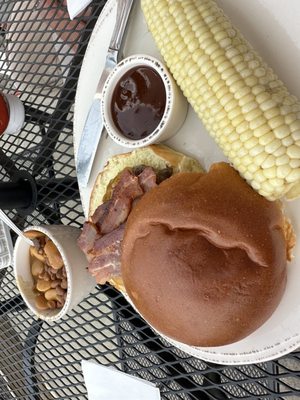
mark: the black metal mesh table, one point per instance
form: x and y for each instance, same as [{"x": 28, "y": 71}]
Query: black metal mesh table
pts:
[{"x": 42, "y": 360}]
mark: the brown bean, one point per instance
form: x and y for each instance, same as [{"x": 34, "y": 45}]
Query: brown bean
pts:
[
  {"x": 60, "y": 298},
  {"x": 42, "y": 285},
  {"x": 34, "y": 253},
  {"x": 64, "y": 272},
  {"x": 64, "y": 284},
  {"x": 46, "y": 268},
  {"x": 54, "y": 258},
  {"x": 60, "y": 291},
  {"x": 50, "y": 271},
  {"x": 52, "y": 276},
  {"x": 42, "y": 241},
  {"x": 60, "y": 304},
  {"x": 37, "y": 267},
  {"x": 59, "y": 274},
  {"x": 55, "y": 283},
  {"x": 51, "y": 295},
  {"x": 41, "y": 303},
  {"x": 47, "y": 277},
  {"x": 34, "y": 234},
  {"x": 44, "y": 276},
  {"x": 53, "y": 270},
  {"x": 52, "y": 304}
]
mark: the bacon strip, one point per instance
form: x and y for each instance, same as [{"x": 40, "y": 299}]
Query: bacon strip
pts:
[
  {"x": 101, "y": 239},
  {"x": 87, "y": 238},
  {"x": 116, "y": 215},
  {"x": 147, "y": 179},
  {"x": 100, "y": 213},
  {"x": 124, "y": 193},
  {"x": 109, "y": 242},
  {"x": 106, "y": 262}
]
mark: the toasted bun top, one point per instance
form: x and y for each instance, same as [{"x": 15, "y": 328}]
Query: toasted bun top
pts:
[{"x": 204, "y": 257}]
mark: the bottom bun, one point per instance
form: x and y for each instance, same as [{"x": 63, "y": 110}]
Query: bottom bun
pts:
[{"x": 204, "y": 257}]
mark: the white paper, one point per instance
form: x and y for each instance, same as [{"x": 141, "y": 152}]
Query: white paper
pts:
[
  {"x": 107, "y": 383},
  {"x": 76, "y": 6}
]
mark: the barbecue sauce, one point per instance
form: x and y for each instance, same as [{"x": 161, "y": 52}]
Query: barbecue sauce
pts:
[{"x": 138, "y": 102}]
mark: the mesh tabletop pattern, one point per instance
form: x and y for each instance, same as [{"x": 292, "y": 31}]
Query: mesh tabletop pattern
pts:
[{"x": 40, "y": 62}]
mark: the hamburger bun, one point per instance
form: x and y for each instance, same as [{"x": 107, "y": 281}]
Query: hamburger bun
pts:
[
  {"x": 204, "y": 257},
  {"x": 156, "y": 156}
]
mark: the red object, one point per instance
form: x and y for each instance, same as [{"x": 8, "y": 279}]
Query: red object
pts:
[{"x": 4, "y": 114}]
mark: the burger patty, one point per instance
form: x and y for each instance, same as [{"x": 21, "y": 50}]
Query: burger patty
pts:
[{"x": 102, "y": 236}]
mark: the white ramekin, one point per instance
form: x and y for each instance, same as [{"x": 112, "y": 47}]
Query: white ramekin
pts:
[
  {"x": 80, "y": 282},
  {"x": 16, "y": 114},
  {"x": 175, "y": 109}
]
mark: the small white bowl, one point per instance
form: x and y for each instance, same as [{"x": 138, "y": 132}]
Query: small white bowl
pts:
[
  {"x": 16, "y": 114},
  {"x": 80, "y": 283},
  {"x": 175, "y": 109}
]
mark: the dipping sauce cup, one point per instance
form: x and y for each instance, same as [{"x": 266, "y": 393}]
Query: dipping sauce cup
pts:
[
  {"x": 141, "y": 103},
  {"x": 12, "y": 114}
]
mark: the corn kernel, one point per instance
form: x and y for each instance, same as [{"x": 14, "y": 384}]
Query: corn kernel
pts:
[
  {"x": 244, "y": 126},
  {"x": 270, "y": 173},
  {"x": 259, "y": 176},
  {"x": 266, "y": 105},
  {"x": 294, "y": 175},
  {"x": 283, "y": 171},
  {"x": 260, "y": 130},
  {"x": 282, "y": 160},
  {"x": 276, "y": 182},
  {"x": 272, "y": 146},
  {"x": 253, "y": 168},
  {"x": 272, "y": 113},
  {"x": 276, "y": 121},
  {"x": 265, "y": 139},
  {"x": 256, "y": 150},
  {"x": 293, "y": 151},
  {"x": 251, "y": 142},
  {"x": 269, "y": 161},
  {"x": 280, "y": 151},
  {"x": 287, "y": 141},
  {"x": 234, "y": 113},
  {"x": 296, "y": 135},
  {"x": 281, "y": 131},
  {"x": 295, "y": 163}
]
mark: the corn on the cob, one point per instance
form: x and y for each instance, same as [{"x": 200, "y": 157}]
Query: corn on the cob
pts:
[{"x": 241, "y": 101}]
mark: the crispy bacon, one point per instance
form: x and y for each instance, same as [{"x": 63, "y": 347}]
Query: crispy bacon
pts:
[
  {"x": 101, "y": 239},
  {"x": 100, "y": 212},
  {"x": 147, "y": 179},
  {"x": 128, "y": 185},
  {"x": 105, "y": 267},
  {"x": 110, "y": 270},
  {"x": 106, "y": 262},
  {"x": 87, "y": 237},
  {"x": 124, "y": 193},
  {"x": 110, "y": 241},
  {"x": 116, "y": 215}
]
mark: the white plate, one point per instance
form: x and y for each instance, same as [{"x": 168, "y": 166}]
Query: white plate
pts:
[{"x": 273, "y": 28}]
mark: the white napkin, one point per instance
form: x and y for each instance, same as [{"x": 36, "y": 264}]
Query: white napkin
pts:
[
  {"x": 107, "y": 383},
  {"x": 76, "y": 6}
]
